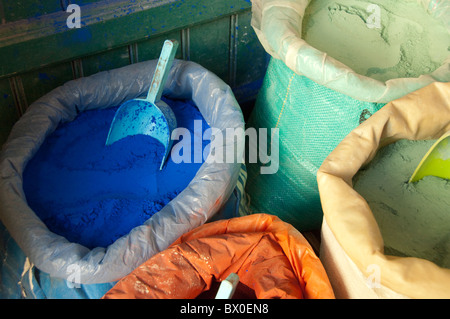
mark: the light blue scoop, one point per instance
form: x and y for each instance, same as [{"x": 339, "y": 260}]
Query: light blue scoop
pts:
[{"x": 150, "y": 116}]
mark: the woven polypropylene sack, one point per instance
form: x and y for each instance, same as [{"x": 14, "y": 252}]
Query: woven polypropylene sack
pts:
[
  {"x": 352, "y": 246},
  {"x": 314, "y": 101},
  {"x": 312, "y": 119}
]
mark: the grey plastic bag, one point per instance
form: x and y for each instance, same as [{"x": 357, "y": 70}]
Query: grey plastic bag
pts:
[{"x": 204, "y": 196}]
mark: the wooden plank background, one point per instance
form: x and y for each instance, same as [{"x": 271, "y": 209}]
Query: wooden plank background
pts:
[{"x": 38, "y": 52}]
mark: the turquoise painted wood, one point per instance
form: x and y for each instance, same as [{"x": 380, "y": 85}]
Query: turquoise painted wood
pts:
[
  {"x": 9, "y": 113},
  {"x": 38, "y": 51}
]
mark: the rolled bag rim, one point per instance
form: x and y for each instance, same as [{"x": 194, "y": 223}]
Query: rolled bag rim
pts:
[
  {"x": 305, "y": 263},
  {"x": 60, "y": 258},
  {"x": 352, "y": 222},
  {"x": 277, "y": 25}
]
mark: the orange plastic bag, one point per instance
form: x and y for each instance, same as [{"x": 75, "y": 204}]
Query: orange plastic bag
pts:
[{"x": 271, "y": 258}]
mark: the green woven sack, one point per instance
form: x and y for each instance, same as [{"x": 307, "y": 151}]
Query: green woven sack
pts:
[
  {"x": 314, "y": 101},
  {"x": 312, "y": 120}
]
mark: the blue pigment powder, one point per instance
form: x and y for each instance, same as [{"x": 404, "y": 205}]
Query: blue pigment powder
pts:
[{"x": 93, "y": 194}]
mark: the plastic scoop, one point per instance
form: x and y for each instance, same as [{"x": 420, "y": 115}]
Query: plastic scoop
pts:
[
  {"x": 436, "y": 161},
  {"x": 227, "y": 287},
  {"x": 149, "y": 116}
]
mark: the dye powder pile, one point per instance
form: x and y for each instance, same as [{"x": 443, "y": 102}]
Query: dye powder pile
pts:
[
  {"x": 93, "y": 194},
  {"x": 413, "y": 218},
  {"x": 380, "y": 39}
]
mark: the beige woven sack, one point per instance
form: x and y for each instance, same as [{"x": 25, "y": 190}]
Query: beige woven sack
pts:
[{"x": 352, "y": 245}]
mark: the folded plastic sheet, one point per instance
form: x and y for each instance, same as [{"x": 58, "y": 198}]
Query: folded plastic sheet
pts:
[
  {"x": 271, "y": 258},
  {"x": 210, "y": 188},
  {"x": 352, "y": 244},
  {"x": 279, "y": 29}
]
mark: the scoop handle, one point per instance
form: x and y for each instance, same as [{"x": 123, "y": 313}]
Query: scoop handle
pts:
[{"x": 162, "y": 70}]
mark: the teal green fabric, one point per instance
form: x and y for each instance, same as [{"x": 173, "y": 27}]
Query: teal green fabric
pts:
[{"x": 312, "y": 120}]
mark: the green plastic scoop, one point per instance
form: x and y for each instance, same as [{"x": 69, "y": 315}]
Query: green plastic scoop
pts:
[{"x": 436, "y": 161}]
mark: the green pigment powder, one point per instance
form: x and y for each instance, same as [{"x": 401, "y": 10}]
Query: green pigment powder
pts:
[
  {"x": 414, "y": 218},
  {"x": 405, "y": 41}
]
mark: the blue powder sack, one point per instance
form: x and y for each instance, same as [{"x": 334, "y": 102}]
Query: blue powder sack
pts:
[
  {"x": 93, "y": 194},
  {"x": 214, "y": 187}
]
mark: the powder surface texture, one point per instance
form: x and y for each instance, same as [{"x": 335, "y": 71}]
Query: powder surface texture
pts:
[
  {"x": 380, "y": 39},
  {"x": 93, "y": 194},
  {"x": 414, "y": 218}
]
